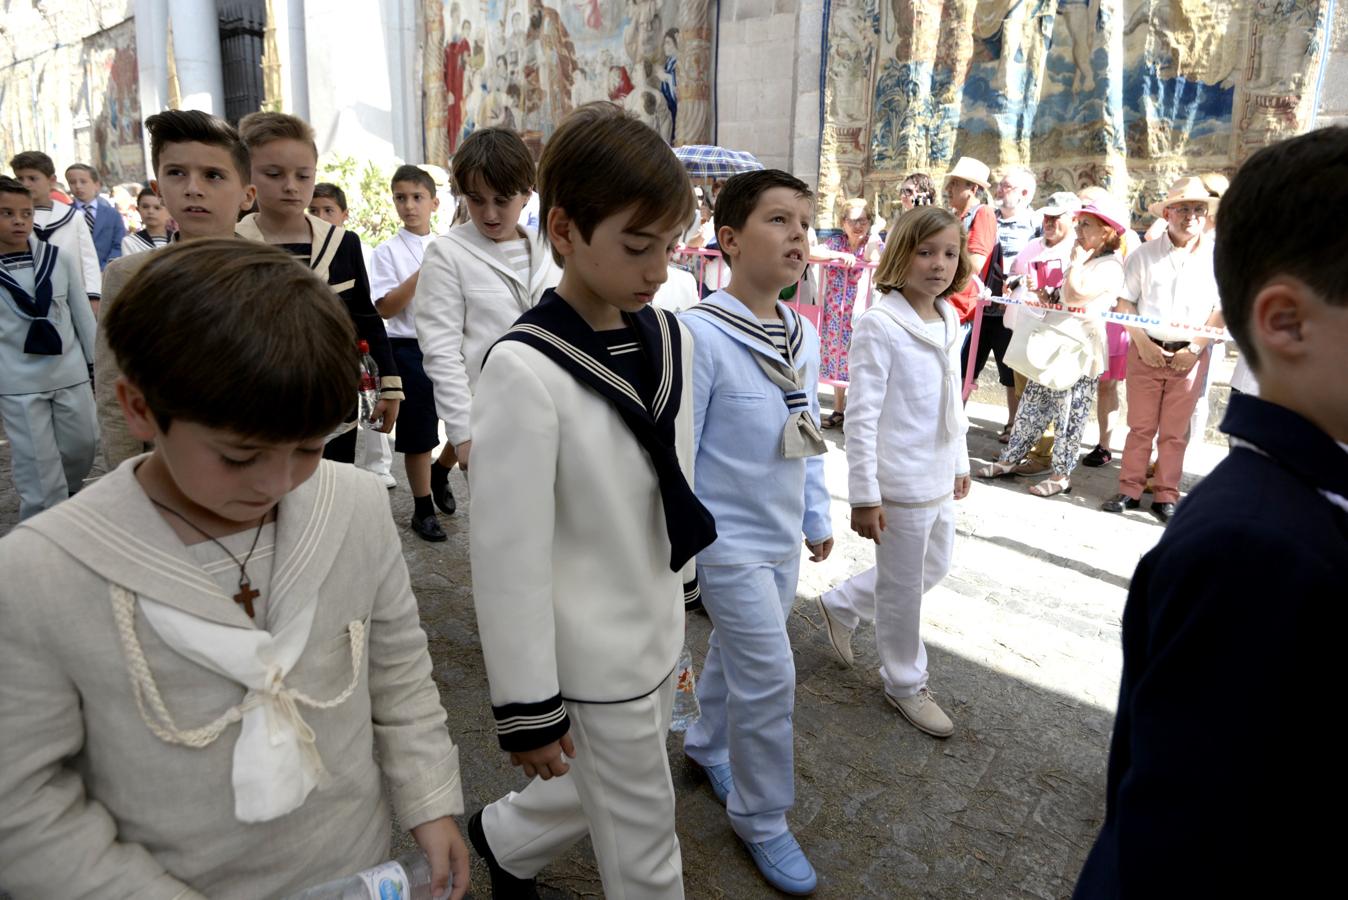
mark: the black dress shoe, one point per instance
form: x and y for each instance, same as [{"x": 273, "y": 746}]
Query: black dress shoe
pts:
[
  {"x": 1119, "y": 502},
  {"x": 440, "y": 490},
  {"x": 504, "y": 886},
  {"x": 1162, "y": 511},
  {"x": 428, "y": 529}
]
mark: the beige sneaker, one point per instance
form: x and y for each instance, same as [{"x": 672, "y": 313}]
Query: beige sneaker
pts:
[
  {"x": 923, "y": 712},
  {"x": 838, "y": 636}
]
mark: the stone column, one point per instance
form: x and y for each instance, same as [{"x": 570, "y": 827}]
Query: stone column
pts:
[
  {"x": 694, "y": 73},
  {"x": 196, "y": 51}
]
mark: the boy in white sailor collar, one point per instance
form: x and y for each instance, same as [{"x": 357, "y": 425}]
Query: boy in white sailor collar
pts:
[
  {"x": 46, "y": 348},
  {"x": 284, "y": 158},
  {"x": 212, "y": 659},
  {"x": 57, "y": 223},
  {"x": 760, "y": 471},
  {"x": 584, "y": 524}
]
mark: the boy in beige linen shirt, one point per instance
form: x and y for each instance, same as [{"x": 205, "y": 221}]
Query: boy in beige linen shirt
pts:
[{"x": 170, "y": 730}]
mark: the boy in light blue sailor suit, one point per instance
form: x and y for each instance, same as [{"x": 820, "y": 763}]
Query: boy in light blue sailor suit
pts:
[
  {"x": 46, "y": 348},
  {"x": 759, "y": 470}
]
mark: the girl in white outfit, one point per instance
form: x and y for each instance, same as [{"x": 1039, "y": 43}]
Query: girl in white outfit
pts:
[{"x": 906, "y": 454}]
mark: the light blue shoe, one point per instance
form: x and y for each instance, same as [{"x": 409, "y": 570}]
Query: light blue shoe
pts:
[
  {"x": 783, "y": 864},
  {"x": 719, "y": 776}
]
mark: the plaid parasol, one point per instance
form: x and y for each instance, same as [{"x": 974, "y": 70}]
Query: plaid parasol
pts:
[{"x": 705, "y": 161}]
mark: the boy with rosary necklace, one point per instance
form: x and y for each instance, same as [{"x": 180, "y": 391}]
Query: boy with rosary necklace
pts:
[{"x": 216, "y": 682}]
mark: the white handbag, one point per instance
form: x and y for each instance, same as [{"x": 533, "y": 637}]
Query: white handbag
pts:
[{"x": 1054, "y": 349}]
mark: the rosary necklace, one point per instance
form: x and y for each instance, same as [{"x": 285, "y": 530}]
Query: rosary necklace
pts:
[{"x": 247, "y": 594}]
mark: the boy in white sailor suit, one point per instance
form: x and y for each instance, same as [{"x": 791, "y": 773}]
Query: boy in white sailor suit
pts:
[
  {"x": 58, "y": 223},
  {"x": 477, "y": 279},
  {"x": 46, "y": 349},
  {"x": 584, "y": 522},
  {"x": 215, "y": 680},
  {"x": 759, "y": 470}
]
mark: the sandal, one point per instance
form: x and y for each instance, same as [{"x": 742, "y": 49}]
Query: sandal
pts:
[
  {"x": 1100, "y": 456},
  {"x": 833, "y": 420},
  {"x": 996, "y": 470},
  {"x": 1005, "y": 436},
  {"x": 1050, "y": 486}
]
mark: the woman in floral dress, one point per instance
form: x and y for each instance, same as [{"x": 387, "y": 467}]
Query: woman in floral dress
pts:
[{"x": 843, "y": 281}]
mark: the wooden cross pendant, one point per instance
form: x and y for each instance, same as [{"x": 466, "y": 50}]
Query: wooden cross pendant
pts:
[{"x": 246, "y": 596}]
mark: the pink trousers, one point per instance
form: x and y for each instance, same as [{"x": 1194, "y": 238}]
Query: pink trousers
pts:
[{"x": 1160, "y": 403}]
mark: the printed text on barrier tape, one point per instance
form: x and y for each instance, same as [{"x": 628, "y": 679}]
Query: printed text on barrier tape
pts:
[{"x": 1144, "y": 322}]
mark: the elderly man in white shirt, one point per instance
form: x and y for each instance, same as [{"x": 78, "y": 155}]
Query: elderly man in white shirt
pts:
[{"x": 1171, "y": 281}]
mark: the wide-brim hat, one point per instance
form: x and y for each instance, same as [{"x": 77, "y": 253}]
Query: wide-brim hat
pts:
[
  {"x": 971, "y": 170},
  {"x": 1107, "y": 210},
  {"x": 1189, "y": 189},
  {"x": 1060, "y": 203}
]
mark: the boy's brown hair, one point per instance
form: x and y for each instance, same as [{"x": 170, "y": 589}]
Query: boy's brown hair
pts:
[
  {"x": 740, "y": 195},
  {"x": 184, "y": 126},
  {"x": 913, "y": 228},
  {"x": 602, "y": 161},
  {"x": 14, "y": 186},
  {"x": 245, "y": 306},
  {"x": 331, "y": 192},
  {"x": 499, "y": 156},
  {"x": 420, "y": 177},
  {"x": 261, "y": 128},
  {"x": 1282, "y": 216},
  {"x": 86, "y": 168},
  {"x": 33, "y": 159}
]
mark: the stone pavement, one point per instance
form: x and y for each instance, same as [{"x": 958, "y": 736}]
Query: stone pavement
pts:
[{"x": 1023, "y": 639}]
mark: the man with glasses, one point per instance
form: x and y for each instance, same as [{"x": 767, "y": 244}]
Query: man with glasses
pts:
[{"x": 1171, "y": 280}]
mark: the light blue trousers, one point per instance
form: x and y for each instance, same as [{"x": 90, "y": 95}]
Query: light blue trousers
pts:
[
  {"x": 53, "y": 436},
  {"x": 747, "y": 691}
]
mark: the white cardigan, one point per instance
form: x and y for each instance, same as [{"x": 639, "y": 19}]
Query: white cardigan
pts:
[
  {"x": 468, "y": 294},
  {"x": 570, "y": 554},
  {"x": 896, "y": 449}
]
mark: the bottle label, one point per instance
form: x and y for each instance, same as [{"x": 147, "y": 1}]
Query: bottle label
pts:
[{"x": 387, "y": 881}]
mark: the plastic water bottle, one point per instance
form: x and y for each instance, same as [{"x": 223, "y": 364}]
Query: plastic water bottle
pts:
[
  {"x": 405, "y": 878},
  {"x": 686, "y": 708},
  {"x": 369, "y": 388}
]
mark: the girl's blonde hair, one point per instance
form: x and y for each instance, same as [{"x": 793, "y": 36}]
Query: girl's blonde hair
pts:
[{"x": 912, "y": 229}]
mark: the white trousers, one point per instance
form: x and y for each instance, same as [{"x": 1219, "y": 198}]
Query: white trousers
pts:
[
  {"x": 373, "y": 453},
  {"x": 912, "y": 557},
  {"x": 619, "y": 790},
  {"x": 747, "y": 691},
  {"x": 53, "y": 436}
]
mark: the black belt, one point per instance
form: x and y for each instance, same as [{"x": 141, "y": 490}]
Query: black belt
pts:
[{"x": 1170, "y": 346}]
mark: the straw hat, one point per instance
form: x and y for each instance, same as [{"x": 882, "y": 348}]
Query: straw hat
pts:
[
  {"x": 971, "y": 170},
  {"x": 1107, "y": 210},
  {"x": 1188, "y": 189}
]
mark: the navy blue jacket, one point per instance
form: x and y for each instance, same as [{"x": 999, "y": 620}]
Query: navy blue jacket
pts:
[
  {"x": 108, "y": 231},
  {"x": 1224, "y": 775}
]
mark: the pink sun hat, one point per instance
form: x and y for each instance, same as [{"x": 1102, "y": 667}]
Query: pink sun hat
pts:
[{"x": 1107, "y": 210}]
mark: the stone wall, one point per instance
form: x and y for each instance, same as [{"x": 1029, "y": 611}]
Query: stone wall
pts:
[{"x": 767, "y": 82}]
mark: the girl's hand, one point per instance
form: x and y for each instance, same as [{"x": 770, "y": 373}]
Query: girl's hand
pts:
[
  {"x": 868, "y": 521},
  {"x": 961, "y": 486}
]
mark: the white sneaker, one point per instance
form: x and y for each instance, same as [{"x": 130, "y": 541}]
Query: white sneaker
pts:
[
  {"x": 838, "y": 636},
  {"x": 923, "y": 712},
  {"x": 389, "y": 481}
]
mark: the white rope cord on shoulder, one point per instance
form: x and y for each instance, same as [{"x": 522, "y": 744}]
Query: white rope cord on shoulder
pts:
[{"x": 145, "y": 688}]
